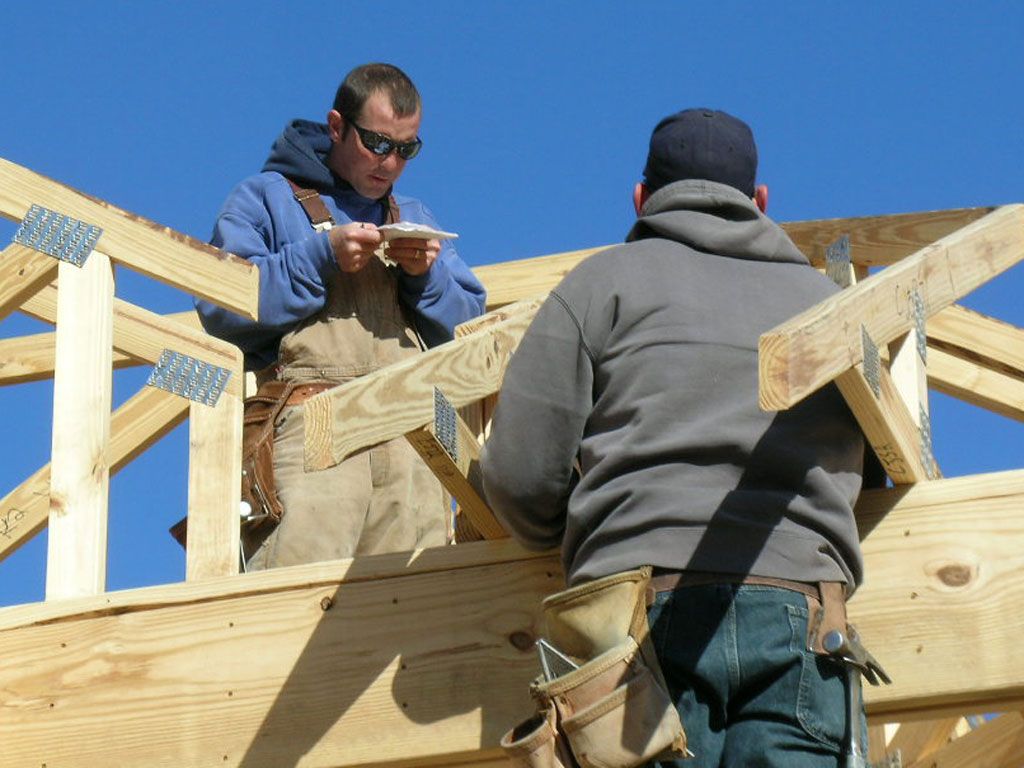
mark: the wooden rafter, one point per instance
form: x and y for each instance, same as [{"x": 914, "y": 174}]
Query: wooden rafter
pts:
[
  {"x": 875, "y": 241},
  {"x": 810, "y": 350},
  {"x": 400, "y": 398},
  {"x": 23, "y": 271},
  {"x": 344, "y": 666},
  {"x": 144, "y": 335},
  {"x": 137, "y": 424},
  {"x": 145, "y": 246}
]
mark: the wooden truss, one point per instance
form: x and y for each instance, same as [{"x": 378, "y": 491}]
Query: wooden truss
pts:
[{"x": 423, "y": 658}]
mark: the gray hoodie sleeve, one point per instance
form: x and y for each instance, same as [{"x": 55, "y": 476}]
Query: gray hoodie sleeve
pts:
[{"x": 527, "y": 463}]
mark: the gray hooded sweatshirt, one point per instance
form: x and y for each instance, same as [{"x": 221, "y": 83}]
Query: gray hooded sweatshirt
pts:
[{"x": 642, "y": 367}]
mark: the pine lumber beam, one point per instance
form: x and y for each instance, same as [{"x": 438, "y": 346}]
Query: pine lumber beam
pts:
[
  {"x": 944, "y": 576},
  {"x": 874, "y": 241},
  {"x": 399, "y": 399},
  {"x": 887, "y": 425},
  {"x": 975, "y": 384},
  {"x": 998, "y": 743},
  {"x": 802, "y": 354},
  {"x": 453, "y": 473},
  {"x": 512, "y": 281},
  {"x": 433, "y": 649},
  {"x": 918, "y": 740},
  {"x": 31, "y": 358},
  {"x": 138, "y": 243},
  {"x": 144, "y": 335},
  {"x": 984, "y": 340},
  {"x": 23, "y": 271},
  {"x": 214, "y": 486},
  {"x": 877, "y": 241},
  {"x": 137, "y": 424},
  {"x": 76, "y": 560}
]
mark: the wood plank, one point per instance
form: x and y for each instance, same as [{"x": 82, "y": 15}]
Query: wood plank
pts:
[
  {"x": 137, "y": 424},
  {"x": 998, "y": 743},
  {"x": 887, "y": 425},
  {"x": 166, "y": 676},
  {"x": 801, "y": 355},
  {"x": 945, "y": 575},
  {"x": 23, "y": 271},
  {"x": 976, "y": 385},
  {"x": 918, "y": 740},
  {"x": 400, "y": 398},
  {"x": 31, "y": 358},
  {"x": 145, "y": 246},
  {"x": 144, "y": 335},
  {"x": 879, "y": 240},
  {"x": 874, "y": 241},
  {"x": 453, "y": 475},
  {"x": 337, "y": 667},
  {"x": 76, "y": 560},
  {"x": 214, "y": 486},
  {"x": 984, "y": 340}
]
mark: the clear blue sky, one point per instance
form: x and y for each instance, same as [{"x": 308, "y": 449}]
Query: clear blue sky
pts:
[{"x": 536, "y": 119}]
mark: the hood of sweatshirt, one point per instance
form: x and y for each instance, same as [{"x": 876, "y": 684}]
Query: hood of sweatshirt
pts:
[
  {"x": 714, "y": 218},
  {"x": 300, "y": 154}
]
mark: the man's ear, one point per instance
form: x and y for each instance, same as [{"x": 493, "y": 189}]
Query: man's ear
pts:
[
  {"x": 640, "y": 195},
  {"x": 761, "y": 197},
  {"x": 335, "y": 122}
]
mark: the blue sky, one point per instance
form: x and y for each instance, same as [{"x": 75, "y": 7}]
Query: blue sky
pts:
[{"x": 536, "y": 119}]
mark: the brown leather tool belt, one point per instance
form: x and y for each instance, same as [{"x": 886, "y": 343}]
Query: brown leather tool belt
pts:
[{"x": 303, "y": 392}]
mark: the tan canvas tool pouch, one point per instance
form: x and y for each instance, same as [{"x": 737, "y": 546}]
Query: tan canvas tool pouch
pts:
[{"x": 614, "y": 710}]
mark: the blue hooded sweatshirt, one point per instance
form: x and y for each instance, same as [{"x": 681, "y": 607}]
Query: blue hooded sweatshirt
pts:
[{"x": 262, "y": 222}]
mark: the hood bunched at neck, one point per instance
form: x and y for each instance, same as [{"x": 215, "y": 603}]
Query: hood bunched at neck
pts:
[{"x": 714, "y": 218}]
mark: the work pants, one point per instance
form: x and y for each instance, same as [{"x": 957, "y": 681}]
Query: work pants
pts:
[
  {"x": 381, "y": 499},
  {"x": 749, "y": 693}
]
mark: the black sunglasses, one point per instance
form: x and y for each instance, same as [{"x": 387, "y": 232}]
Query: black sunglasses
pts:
[{"x": 380, "y": 144}]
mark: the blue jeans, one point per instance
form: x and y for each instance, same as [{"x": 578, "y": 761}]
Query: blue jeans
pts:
[{"x": 748, "y": 691}]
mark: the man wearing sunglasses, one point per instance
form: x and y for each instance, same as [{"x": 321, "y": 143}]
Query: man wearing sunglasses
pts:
[{"x": 335, "y": 304}]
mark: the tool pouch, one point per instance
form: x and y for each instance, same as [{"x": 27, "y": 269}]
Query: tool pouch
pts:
[
  {"x": 534, "y": 743},
  {"x": 613, "y": 711},
  {"x": 259, "y": 413}
]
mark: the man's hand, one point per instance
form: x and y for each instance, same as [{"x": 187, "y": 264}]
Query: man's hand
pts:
[
  {"x": 414, "y": 256},
  {"x": 353, "y": 244}
]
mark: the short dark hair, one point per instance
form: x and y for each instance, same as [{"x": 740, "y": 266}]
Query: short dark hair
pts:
[{"x": 362, "y": 82}]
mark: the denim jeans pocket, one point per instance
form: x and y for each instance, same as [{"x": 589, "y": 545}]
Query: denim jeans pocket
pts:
[{"x": 821, "y": 698}]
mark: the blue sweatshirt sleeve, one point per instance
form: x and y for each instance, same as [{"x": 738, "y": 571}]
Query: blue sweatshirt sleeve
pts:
[
  {"x": 293, "y": 276},
  {"x": 448, "y": 294}
]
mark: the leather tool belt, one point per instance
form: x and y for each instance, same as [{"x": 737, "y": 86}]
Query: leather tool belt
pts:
[{"x": 613, "y": 710}]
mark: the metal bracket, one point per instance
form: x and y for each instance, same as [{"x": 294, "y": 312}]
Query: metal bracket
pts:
[
  {"x": 917, "y": 307},
  {"x": 445, "y": 429},
  {"x": 927, "y": 456},
  {"x": 57, "y": 235},
  {"x": 872, "y": 362},
  {"x": 188, "y": 377},
  {"x": 837, "y": 262}
]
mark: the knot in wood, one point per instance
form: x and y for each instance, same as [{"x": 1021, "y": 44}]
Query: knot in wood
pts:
[
  {"x": 955, "y": 575},
  {"x": 326, "y": 603},
  {"x": 521, "y": 641}
]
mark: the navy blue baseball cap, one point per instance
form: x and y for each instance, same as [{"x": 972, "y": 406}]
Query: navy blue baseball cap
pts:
[{"x": 702, "y": 144}]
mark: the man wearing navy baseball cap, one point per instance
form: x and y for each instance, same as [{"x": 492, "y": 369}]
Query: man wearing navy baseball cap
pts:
[{"x": 629, "y": 434}]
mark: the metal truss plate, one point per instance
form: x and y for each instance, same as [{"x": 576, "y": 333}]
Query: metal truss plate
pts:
[
  {"x": 927, "y": 455},
  {"x": 837, "y": 262},
  {"x": 917, "y": 307},
  {"x": 188, "y": 377},
  {"x": 57, "y": 235},
  {"x": 445, "y": 421},
  {"x": 872, "y": 362}
]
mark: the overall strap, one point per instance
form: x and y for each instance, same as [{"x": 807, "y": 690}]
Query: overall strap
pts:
[{"x": 314, "y": 207}]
